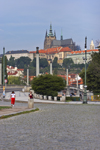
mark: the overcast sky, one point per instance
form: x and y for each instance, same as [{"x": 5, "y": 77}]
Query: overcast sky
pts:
[{"x": 23, "y": 23}]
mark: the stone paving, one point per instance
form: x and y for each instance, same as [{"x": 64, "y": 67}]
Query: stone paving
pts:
[{"x": 53, "y": 127}]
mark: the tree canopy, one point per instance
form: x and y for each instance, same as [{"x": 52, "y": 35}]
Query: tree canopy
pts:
[
  {"x": 14, "y": 80},
  {"x": 67, "y": 62},
  {"x": 48, "y": 84},
  {"x": 43, "y": 62},
  {"x": 11, "y": 61},
  {"x": 93, "y": 74},
  {"x": 55, "y": 63},
  {"x": 20, "y": 62}
]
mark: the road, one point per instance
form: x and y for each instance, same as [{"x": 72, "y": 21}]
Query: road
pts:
[
  {"x": 53, "y": 127},
  {"x": 10, "y": 89}
]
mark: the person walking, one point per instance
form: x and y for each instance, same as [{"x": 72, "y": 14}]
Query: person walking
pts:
[{"x": 12, "y": 97}]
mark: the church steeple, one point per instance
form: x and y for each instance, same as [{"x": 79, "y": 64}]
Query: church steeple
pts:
[
  {"x": 46, "y": 34},
  {"x": 92, "y": 45},
  {"x": 50, "y": 31}
]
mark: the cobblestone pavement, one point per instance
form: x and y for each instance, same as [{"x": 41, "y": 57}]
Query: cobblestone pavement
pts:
[{"x": 53, "y": 127}]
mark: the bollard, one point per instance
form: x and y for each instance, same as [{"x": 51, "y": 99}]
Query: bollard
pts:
[
  {"x": 30, "y": 103},
  {"x": 55, "y": 98},
  {"x": 60, "y": 98},
  {"x": 41, "y": 96},
  {"x": 50, "y": 98},
  {"x": 63, "y": 98},
  {"x": 45, "y": 97}
]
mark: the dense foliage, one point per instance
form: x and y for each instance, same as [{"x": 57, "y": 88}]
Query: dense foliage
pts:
[
  {"x": 11, "y": 61},
  {"x": 48, "y": 85},
  {"x": 15, "y": 80},
  {"x": 55, "y": 64},
  {"x": 67, "y": 62},
  {"x": 22, "y": 61},
  {"x": 93, "y": 74}
]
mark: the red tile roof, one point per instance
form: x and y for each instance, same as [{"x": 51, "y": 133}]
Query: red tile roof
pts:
[
  {"x": 83, "y": 51},
  {"x": 10, "y": 73},
  {"x": 20, "y": 69},
  {"x": 65, "y": 49},
  {"x": 10, "y": 67},
  {"x": 53, "y": 50}
]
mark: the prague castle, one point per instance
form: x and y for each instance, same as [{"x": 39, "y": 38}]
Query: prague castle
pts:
[
  {"x": 49, "y": 38},
  {"x": 51, "y": 41}
]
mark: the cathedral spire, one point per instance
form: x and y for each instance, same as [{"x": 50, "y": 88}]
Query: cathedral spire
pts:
[
  {"x": 46, "y": 34},
  {"x": 50, "y": 31}
]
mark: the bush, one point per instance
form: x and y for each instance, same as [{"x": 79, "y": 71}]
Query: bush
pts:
[
  {"x": 48, "y": 84},
  {"x": 73, "y": 98}
]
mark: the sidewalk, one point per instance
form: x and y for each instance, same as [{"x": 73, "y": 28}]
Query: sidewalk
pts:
[
  {"x": 12, "y": 111},
  {"x": 23, "y": 98}
]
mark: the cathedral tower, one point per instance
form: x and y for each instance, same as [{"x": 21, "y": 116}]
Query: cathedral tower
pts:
[{"x": 49, "y": 38}]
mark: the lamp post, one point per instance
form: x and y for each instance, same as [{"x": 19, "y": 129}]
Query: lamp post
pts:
[
  {"x": 3, "y": 72},
  {"x": 37, "y": 61},
  {"x": 51, "y": 66},
  {"x": 85, "y": 86}
]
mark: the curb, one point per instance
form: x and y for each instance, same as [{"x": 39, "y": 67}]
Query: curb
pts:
[{"x": 15, "y": 113}]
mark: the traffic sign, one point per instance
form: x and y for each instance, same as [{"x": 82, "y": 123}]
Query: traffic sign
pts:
[{"x": 5, "y": 80}]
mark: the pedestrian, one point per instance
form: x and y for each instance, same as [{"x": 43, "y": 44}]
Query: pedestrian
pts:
[
  {"x": 31, "y": 95},
  {"x": 12, "y": 97},
  {"x": 80, "y": 96}
]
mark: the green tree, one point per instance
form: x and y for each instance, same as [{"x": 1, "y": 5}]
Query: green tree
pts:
[
  {"x": 55, "y": 64},
  {"x": 33, "y": 63},
  {"x": 93, "y": 74},
  {"x": 43, "y": 62},
  {"x": 48, "y": 84},
  {"x": 67, "y": 62},
  {"x": 20, "y": 62},
  {"x": 11, "y": 61},
  {"x": 14, "y": 80}
]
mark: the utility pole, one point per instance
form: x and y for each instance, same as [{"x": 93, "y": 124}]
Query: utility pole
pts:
[
  {"x": 67, "y": 93},
  {"x": 51, "y": 67},
  {"x": 37, "y": 61},
  {"x": 3, "y": 72},
  {"x": 85, "y": 86},
  {"x": 27, "y": 76}
]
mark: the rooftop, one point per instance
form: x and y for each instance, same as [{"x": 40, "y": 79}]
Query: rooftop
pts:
[{"x": 17, "y": 51}]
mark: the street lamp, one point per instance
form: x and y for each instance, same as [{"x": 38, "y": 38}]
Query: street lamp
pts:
[
  {"x": 3, "y": 72},
  {"x": 85, "y": 86}
]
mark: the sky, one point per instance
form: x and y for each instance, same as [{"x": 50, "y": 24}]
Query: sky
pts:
[{"x": 23, "y": 23}]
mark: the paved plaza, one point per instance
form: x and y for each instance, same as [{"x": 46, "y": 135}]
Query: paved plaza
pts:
[
  {"x": 53, "y": 127},
  {"x": 23, "y": 97}
]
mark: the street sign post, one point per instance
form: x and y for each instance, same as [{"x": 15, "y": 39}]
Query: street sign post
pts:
[{"x": 5, "y": 80}]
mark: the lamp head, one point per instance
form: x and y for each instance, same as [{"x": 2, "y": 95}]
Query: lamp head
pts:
[{"x": 37, "y": 50}]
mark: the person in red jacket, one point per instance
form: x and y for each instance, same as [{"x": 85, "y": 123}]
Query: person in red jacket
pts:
[
  {"x": 12, "y": 97},
  {"x": 31, "y": 95}
]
